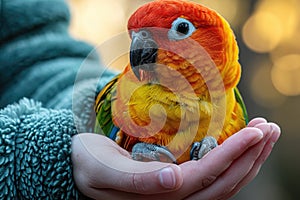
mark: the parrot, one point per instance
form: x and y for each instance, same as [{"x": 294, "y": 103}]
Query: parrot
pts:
[{"x": 177, "y": 98}]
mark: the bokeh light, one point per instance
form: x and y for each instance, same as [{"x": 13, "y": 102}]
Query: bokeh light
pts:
[
  {"x": 262, "y": 89},
  {"x": 287, "y": 13},
  {"x": 291, "y": 46},
  {"x": 97, "y": 20},
  {"x": 274, "y": 22},
  {"x": 274, "y": 28},
  {"x": 262, "y": 32},
  {"x": 286, "y": 75}
]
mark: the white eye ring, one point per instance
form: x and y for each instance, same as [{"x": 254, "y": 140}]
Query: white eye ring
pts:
[{"x": 181, "y": 29}]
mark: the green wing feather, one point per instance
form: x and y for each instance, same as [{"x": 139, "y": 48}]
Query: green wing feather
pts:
[
  {"x": 240, "y": 101},
  {"x": 104, "y": 123}
]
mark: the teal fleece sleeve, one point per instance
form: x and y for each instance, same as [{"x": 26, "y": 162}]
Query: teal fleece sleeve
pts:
[
  {"x": 35, "y": 152},
  {"x": 40, "y": 109}
]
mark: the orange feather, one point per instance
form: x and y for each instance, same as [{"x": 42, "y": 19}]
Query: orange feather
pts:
[{"x": 193, "y": 93}]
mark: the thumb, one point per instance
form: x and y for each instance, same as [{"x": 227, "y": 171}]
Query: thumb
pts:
[{"x": 113, "y": 168}]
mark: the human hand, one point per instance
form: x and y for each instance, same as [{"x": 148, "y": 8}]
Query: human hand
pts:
[{"x": 103, "y": 170}]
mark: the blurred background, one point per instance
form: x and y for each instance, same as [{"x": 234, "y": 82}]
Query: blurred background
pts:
[{"x": 268, "y": 35}]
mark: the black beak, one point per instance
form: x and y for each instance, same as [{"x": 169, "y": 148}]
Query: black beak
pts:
[{"x": 143, "y": 52}]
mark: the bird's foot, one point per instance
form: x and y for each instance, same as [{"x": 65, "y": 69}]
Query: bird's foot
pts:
[
  {"x": 200, "y": 149},
  {"x": 152, "y": 152}
]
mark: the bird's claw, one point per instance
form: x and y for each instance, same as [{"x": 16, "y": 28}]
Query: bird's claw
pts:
[
  {"x": 152, "y": 152},
  {"x": 200, "y": 149}
]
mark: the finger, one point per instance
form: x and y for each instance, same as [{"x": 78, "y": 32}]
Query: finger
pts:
[
  {"x": 227, "y": 182},
  {"x": 258, "y": 163},
  {"x": 233, "y": 175},
  {"x": 256, "y": 121},
  {"x": 200, "y": 174},
  {"x": 108, "y": 168}
]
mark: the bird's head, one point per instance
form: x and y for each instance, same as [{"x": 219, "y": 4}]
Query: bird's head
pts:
[{"x": 176, "y": 35}]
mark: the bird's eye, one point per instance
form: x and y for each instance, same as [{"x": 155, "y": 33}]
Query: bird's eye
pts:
[{"x": 181, "y": 29}]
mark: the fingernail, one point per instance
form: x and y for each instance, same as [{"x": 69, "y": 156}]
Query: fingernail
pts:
[
  {"x": 275, "y": 132},
  {"x": 167, "y": 178},
  {"x": 260, "y": 135}
]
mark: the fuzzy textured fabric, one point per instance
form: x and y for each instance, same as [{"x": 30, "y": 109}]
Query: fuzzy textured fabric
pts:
[
  {"x": 43, "y": 100},
  {"x": 35, "y": 152}
]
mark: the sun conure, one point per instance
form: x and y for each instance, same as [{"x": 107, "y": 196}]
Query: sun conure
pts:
[{"x": 177, "y": 98}]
